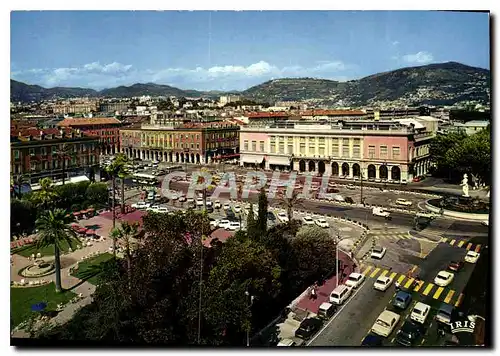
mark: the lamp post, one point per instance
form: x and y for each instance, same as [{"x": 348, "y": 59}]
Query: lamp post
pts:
[
  {"x": 361, "y": 185},
  {"x": 337, "y": 259},
  {"x": 249, "y": 305},
  {"x": 186, "y": 155},
  {"x": 387, "y": 170}
]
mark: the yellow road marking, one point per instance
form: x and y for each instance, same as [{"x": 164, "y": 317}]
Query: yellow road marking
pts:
[
  {"x": 461, "y": 243},
  {"x": 444, "y": 239},
  {"x": 452, "y": 242},
  {"x": 384, "y": 272},
  {"x": 428, "y": 289},
  {"x": 438, "y": 292},
  {"x": 374, "y": 273},
  {"x": 469, "y": 246},
  {"x": 449, "y": 296},
  {"x": 401, "y": 278},
  {"x": 459, "y": 301},
  {"x": 365, "y": 272},
  {"x": 478, "y": 248},
  {"x": 417, "y": 288},
  {"x": 393, "y": 275},
  {"x": 408, "y": 284}
]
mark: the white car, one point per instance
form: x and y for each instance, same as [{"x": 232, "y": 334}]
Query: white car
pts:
[
  {"x": 209, "y": 204},
  {"x": 234, "y": 225},
  {"x": 286, "y": 343},
  {"x": 199, "y": 202},
  {"x": 338, "y": 197},
  {"x": 224, "y": 223},
  {"x": 214, "y": 223},
  {"x": 182, "y": 198},
  {"x": 237, "y": 209},
  {"x": 162, "y": 209},
  {"x": 174, "y": 196},
  {"x": 472, "y": 256},
  {"x": 382, "y": 283},
  {"x": 443, "y": 278},
  {"x": 420, "y": 312},
  {"x": 403, "y": 202},
  {"x": 217, "y": 204},
  {"x": 355, "y": 280},
  {"x": 322, "y": 223},
  {"x": 308, "y": 220},
  {"x": 141, "y": 205},
  {"x": 385, "y": 323},
  {"x": 282, "y": 217},
  {"x": 378, "y": 252},
  {"x": 153, "y": 208},
  {"x": 227, "y": 206}
]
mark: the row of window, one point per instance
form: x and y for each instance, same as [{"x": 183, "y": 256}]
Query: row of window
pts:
[
  {"x": 53, "y": 149},
  {"x": 55, "y": 164},
  {"x": 384, "y": 152}
]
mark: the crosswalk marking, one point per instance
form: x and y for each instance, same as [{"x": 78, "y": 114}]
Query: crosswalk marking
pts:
[
  {"x": 367, "y": 270},
  {"x": 401, "y": 278},
  {"x": 461, "y": 243},
  {"x": 417, "y": 288},
  {"x": 452, "y": 242},
  {"x": 478, "y": 248},
  {"x": 469, "y": 246},
  {"x": 374, "y": 273},
  {"x": 449, "y": 296},
  {"x": 443, "y": 240},
  {"x": 393, "y": 275},
  {"x": 459, "y": 300},
  {"x": 428, "y": 289},
  {"x": 438, "y": 292},
  {"x": 384, "y": 272},
  {"x": 409, "y": 282}
]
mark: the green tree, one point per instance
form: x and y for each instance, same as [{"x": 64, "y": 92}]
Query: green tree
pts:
[
  {"x": 16, "y": 182},
  {"x": 54, "y": 229},
  {"x": 439, "y": 148},
  {"x": 252, "y": 228},
  {"x": 46, "y": 196},
  {"x": 262, "y": 216},
  {"x": 128, "y": 232},
  {"x": 97, "y": 193},
  {"x": 22, "y": 216},
  {"x": 123, "y": 173},
  {"x": 289, "y": 203},
  {"x": 113, "y": 170}
]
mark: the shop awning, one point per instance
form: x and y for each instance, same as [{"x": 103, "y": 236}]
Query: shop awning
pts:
[
  {"x": 281, "y": 161},
  {"x": 251, "y": 158}
]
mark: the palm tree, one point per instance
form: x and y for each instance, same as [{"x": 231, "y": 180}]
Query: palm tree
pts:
[
  {"x": 113, "y": 170},
  {"x": 290, "y": 202},
  {"x": 114, "y": 234},
  {"x": 46, "y": 195},
  {"x": 126, "y": 232},
  {"x": 16, "y": 182},
  {"x": 54, "y": 229},
  {"x": 64, "y": 152},
  {"x": 123, "y": 174}
]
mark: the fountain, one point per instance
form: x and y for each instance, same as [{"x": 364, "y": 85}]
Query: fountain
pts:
[{"x": 39, "y": 268}]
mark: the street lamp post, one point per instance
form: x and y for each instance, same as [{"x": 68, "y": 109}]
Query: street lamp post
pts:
[
  {"x": 387, "y": 177},
  {"x": 186, "y": 153},
  {"x": 249, "y": 305},
  {"x": 361, "y": 186},
  {"x": 337, "y": 259}
]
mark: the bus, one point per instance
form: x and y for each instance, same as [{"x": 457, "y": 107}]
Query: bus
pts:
[
  {"x": 171, "y": 169},
  {"x": 145, "y": 179}
]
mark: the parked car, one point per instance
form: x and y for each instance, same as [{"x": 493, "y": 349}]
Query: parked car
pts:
[
  {"x": 200, "y": 202},
  {"x": 308, "y": 328},
  {"x": 402, "y": 300},
  {"x": 141, "y": 205},
  {"x": 217, "y": 204},
  {"x": 378, "y": 252},
  {"x": 382, "y": 283},
  {"x": 351, "y": 186},
  {"x": 349, "y": 200},
  {"x": 322, "y": 223},
  {"x": 227, "y": 206},
  {"x": 307, "y": 220},
  {"x": 385, "y": 323},
  {"x": 409, "y": 334},
  {"x": 153, "y": 208},
  {"x": 403, "y": 202},
  {"x": 455, "y": 266},
  {"x": 377, "y": 211},
  {"x": 420, "y": 312},
  {"x": 234, "y": 225},
  {"x": 338, "y": 197},
  {"x": 282, "y": 217},
  {"x": 214, "y": 223},
  {"x": 471, "y": 256},
  {"x": 326, "y": 310},
  {"x": 372, "y": 340},
  {"x": 286, "y": 343},
  {"x": 237, "y": 209},
  {"x": 443, "y": 278},
  {"x": 224, "y": 223},
  {"x": 444, "y": 313},
  {"x": 355, "y": 280},
  {"x": 270, "y": 216}
]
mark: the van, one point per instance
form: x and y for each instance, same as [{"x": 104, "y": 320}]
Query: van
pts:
[
  {"x": 340, "y": 294},
  {"x": 326, "y": 310}
]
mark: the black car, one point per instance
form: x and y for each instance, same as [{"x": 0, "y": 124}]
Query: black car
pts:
[
  {"x": 409, "y": 333},
  {"x": 308, "y": 328},
  {"x": 372, "y": 340},
  {"x": 210, "y": 209},
  {"x": 270, "y": 216}
]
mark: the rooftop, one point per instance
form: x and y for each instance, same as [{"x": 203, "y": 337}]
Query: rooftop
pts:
[{"x": 88, "y": 121}]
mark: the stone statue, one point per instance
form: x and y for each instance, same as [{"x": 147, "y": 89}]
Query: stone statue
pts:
[{"x": 465, "y": 185}]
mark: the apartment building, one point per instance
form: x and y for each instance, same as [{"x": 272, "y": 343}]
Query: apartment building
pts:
[{"x": 75, "y": 107}]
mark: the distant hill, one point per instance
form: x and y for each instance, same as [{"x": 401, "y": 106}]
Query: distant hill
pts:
[{"x": 434, "y": 84}]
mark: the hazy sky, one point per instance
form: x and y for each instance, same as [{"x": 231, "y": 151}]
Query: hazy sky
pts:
[{"x": 235, "y": 50}]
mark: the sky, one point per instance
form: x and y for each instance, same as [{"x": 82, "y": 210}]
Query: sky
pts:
[{"x": 228, "y": 50}]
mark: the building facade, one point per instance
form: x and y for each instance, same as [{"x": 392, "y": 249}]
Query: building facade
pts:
[
  {"x": 75, "y": 107},
  {"x": 106, "y": 128},
  {"x": 178, "y": 142},
  {"x": 34, "y": 154},
  {"x": 375, "y": 149}
]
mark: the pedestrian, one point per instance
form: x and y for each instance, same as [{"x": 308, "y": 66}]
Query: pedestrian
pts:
[{"x": 398, "y": 286}]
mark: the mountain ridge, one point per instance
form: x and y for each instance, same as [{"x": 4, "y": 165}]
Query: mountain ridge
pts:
[{"x": 435, "y": 84}]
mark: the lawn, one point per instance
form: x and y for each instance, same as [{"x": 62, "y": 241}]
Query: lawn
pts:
[
  {"x": 21, "y": 300},
  {"x": 85, "y": 268},
  {"x": 27, "y": 251}
]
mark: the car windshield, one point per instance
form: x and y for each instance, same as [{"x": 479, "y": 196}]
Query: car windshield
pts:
[
  {"x": 382, "y": 323},
  {"x": 377, "y": 249},
  {"x": 417, "y": 311},
  {"x": 383, "y": 281},
  {"x": 400, "y": 299},
  {"x": 440, "y": 276},
  {"x": 354, "y": 279}
]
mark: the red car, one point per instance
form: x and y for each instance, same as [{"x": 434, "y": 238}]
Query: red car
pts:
[{"x": 455, "y": 266}]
